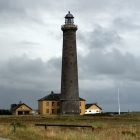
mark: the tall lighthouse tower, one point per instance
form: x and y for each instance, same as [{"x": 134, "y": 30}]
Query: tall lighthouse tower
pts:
[{"x": 69, "y": 76}]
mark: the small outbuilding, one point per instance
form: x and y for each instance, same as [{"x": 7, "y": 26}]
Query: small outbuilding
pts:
[
  {"x": 21, "y": 109},
  {"x": 92, "y": 108}
]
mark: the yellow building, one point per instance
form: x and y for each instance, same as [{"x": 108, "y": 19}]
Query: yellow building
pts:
[
  {"x": 21, "y": 109},
  {"x": 50, "y": 104},
  {"x": 92, "y": 109}
]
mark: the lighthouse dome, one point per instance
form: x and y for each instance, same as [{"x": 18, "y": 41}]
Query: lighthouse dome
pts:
[{"x": 69, "y": 15}]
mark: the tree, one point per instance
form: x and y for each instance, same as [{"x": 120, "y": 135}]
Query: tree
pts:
[
  {"x": 12, "y": 106},
  {"x": 5, "y": 112}
]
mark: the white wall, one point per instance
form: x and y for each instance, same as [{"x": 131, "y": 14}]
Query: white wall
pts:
[{"x": 91, "y": 111}]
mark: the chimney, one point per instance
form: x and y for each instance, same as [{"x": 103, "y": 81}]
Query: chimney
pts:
[
  {"x": 20, "y": 102},
  {"x": 52, "y": 93}
]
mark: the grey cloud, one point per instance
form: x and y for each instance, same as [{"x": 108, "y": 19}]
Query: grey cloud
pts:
[
  {"x": 28, "y": 96},
  {"x": 28, "y": 80},
  {"x": 10, "y": 6},
  {"x": 129, "y": 97},
  {"x": 82, "y": 38},
  {"x": 25, "y": 66},
  {"x": 101, "y": 27},
  {"x": 23, "y": 72},
  {"x": 14, "y": 13},
  {"x": 26, "y": 44},
  {"x": 125, "y": 24},
  {"x": 29, "y": 7},
  {"x": 100, "y": 38},
  {"x": 55, "y": 62},
  {"x": 113, "y": 64}
]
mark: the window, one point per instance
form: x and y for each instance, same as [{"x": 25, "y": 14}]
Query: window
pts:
[
  {"x": 58, "y": 103},
  {"x": 71, "y": 46},
  {"x": 52, "y": 110},
  {"x": 80, "y": 110},
  {"x": 70, "y": 63},
  {"x": 79, "y": 103},
  {"x": 58, "y": 110},
  {"x": 52, "y": 103},
  {"x": 71, "y": 81},
  {"x": 47, "y": 110},
  {"x": 26, "y": 112},
  {"x": 22, "y": 107},
  {"x": 47, "y": 103},
  {"x": 89, "y": 110}
]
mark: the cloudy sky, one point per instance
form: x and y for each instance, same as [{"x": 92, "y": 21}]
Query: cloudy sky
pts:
[{"x": 108, "y": 48}]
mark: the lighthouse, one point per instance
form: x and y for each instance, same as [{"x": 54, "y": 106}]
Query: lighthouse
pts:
[{"x": 69, "y": 74}]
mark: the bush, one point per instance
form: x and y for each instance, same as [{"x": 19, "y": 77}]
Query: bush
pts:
[
  {"x": 129, "y": 133},
  {"x": 18, "y": 124}
]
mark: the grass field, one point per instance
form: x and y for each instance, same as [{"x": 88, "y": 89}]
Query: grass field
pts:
[{"x": 116, "y": 127}]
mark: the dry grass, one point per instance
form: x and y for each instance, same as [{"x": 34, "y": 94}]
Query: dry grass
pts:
[{"x": 106, "y": 128}]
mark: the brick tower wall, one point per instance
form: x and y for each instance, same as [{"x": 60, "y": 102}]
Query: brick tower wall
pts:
[{"x": 69, "y": 79}]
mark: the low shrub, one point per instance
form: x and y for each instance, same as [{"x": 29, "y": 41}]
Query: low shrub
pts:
[
  {"x": 18, "y": 124},
  {"x": 129, "y": 133}
]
